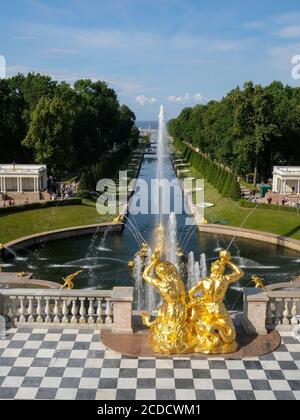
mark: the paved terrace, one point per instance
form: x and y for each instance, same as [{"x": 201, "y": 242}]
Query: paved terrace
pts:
[{"x": 74, "y": 364}]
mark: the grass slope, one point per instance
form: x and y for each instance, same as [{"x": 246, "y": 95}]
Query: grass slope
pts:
[
  {"x": 273, "y": 221},
  {"x": 29, "y": 222}
]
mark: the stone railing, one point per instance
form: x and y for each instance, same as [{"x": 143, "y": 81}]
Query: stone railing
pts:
[
  {"x": 277, "y": 307},
  {"x": 40, "y": 308}
]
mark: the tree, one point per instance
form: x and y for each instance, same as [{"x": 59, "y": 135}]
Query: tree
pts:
[{"x": 49, "y": 135}]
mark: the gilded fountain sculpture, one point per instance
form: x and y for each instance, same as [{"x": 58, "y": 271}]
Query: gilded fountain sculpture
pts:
[{"x": 189, "y": 322}]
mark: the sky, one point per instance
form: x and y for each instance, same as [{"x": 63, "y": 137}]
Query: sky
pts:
[{"x": 172, "y": 52}]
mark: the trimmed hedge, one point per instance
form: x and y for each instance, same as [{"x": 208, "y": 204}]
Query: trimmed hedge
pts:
[
  {"x": 40, "y": 205},
  {"x": 224, "y": 181},
  {"x": 249, "y": 205}
]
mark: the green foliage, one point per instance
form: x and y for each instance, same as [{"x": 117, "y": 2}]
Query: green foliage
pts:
[
  {"x": 40, "y": 205},
  {"x": 69, "y": 128},
  {"x": 234, "y": 191},
  {"x": 250, "y": 130},
  {"x": 226, "y": 186},
  {"x": 264, "y": 206},
  {"x": 49, "y": 135}
]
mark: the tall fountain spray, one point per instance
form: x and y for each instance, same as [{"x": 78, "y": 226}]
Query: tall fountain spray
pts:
[
  {"x": 161, "y": 149},
  {"x": 203, "y": 266},
  {"x": 137, "y": 274},
  {"x": 171, "y": 240},
  {"x": 191, "y": 270}
]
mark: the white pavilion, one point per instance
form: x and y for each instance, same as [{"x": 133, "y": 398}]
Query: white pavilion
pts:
[
  {"x": 286, "y": 179},
  {"x": 16, "y": 180}
]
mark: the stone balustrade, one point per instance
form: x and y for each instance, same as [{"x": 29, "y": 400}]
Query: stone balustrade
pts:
[
  {"x": 276, "y": 307},
  {"x": 69, "y": 308}
]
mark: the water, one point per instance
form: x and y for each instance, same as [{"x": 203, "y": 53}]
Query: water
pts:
[{"x": 171, "y": 240}]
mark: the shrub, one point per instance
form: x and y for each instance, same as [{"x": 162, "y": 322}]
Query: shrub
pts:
[
  {"x": 40, "y": 205},
  {"x": 249, "y": 204},
  {"x": 234, "y": 191}
]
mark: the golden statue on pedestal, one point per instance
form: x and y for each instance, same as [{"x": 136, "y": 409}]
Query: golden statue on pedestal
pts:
[
  {"x": 170, "y": 333},
  {"x": 202, "y": 324},
  {"x": 208, "y": 317},
  {"x": 69, "y": 280}
]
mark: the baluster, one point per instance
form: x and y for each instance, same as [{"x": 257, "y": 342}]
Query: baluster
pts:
[
  {"x": 39, "y": 310},
  {"x": 82, "y": 311},
  {"x": 47, "y": 310},
  {"x": 294, "y": 320},
  {"x": 30, "y": 309},
  {"x": 12, "y": 309},
  {"x": 74, "y": 319},
  {"x": 91, "y": 311},
  {"x": 99, "y": 311},
  {"x": 108, "y": 312},
  {"x": 56, "y": 312},
  {"x": 278, "y": 312},
  {"x": 22, "y": 309},
  {"x": 65, "y": 311},
  {"x": 272, "y": 312},
  {"x": 286, "y": 312}
]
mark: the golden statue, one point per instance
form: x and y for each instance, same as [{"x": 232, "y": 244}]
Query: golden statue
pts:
[
  {"x": 208, "y": 317},
  {"x": 258, "y": 281},
  {"x": 169, "y": 331},
  {"x": 69, "y": 281},
  {"x": 118, "y": 219},
  {"x": 202, "y": 325}
]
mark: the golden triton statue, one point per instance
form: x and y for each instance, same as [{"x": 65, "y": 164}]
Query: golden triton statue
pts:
[
  {"x": 118, "y": 219},
  {"x": 169, "y": 331},
  {"x": 202, "y": 325},
  {"x": 258, "y": 281},
  {"x": 69, "y": 281},
  {"x": 208, "y": 317}
]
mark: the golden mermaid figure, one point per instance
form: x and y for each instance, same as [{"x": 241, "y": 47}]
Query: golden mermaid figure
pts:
[
  {"x": 209, "y": 320},
  {"x": 169, "y": 332}
]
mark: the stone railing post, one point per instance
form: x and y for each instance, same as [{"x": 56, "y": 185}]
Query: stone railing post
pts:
[
  {"x": 122, "y": 299},
  {"x": 255, "y": 311}
]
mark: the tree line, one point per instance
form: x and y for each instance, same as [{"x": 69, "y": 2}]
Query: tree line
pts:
[
  {"x": 68, "y": 127},
  {"x": 222, "y": 179},
  {"x": 250, "y": 130}
]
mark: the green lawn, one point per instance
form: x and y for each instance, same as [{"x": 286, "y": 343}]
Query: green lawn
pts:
[
  {"x": 273, "y": 221},
  {"x": 29, "y": 222}
]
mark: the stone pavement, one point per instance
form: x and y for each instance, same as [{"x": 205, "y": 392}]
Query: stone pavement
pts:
[{"x": 74, "y": 364}]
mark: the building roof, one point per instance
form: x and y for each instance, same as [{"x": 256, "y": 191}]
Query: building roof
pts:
[
  {"x": 13, "y": 169},
  {"x": 287, "y": 170}
]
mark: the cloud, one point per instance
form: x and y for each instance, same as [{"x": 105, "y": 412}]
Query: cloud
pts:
[
  {"x": 187, "y": 98},
  {"x": 292, "y": 31},
  {"x": 145, "y": 100},
  {"x": 60, "y": 51},
  {"x": 122, "y": 85},
  {"x": 255, "y": 24}
]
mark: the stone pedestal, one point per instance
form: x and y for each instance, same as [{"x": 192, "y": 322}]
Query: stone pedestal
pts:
[
  {"x": 255, "y": 311},
  {"x": 122, "y": 298}
]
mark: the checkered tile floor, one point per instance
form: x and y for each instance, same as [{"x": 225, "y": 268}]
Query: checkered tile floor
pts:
[{"x": 72, "y": 364}]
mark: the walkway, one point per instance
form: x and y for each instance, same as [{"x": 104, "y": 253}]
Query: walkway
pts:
[{"x": 74, "y": 364}]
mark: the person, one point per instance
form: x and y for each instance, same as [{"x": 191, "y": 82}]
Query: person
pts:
[{"x": 27, "y": 201}]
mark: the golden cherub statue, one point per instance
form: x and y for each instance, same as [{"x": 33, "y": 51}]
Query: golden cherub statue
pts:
[{"x": 69, "y": 281}]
